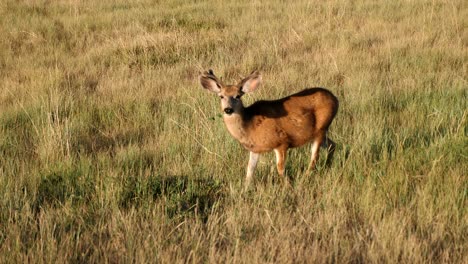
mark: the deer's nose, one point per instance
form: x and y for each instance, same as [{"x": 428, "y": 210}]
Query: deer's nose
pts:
[{"x": 228, "y": 110}]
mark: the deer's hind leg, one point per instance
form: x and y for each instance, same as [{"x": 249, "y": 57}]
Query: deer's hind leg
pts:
[
  {"x": 315, "y": 149},
  {"x": 321, "y": 141},
  {"x": 330, "y": 146}
]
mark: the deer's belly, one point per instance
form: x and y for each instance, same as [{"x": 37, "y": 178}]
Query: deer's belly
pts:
[
  {"x": 257, "y": 148},
  {"x": 265, "y": 143}
]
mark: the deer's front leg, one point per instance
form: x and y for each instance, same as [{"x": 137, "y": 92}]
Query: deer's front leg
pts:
[
  {"x": 253, "y": 159},
  {"x": 280, "y": 159},
  {"x": 280, "y": 162}
]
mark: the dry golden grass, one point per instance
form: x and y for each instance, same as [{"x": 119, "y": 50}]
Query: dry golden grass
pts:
[{"x": 111, "y": 152}]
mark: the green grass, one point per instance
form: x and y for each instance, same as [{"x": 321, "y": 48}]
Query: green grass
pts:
[{"x": 110, "y": 151}]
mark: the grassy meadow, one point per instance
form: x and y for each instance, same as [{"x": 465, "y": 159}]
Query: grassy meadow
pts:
[{"x": 110, "y": 150}]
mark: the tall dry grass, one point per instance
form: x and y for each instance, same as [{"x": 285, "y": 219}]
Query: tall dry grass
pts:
[{"x": 111, "y": 152}]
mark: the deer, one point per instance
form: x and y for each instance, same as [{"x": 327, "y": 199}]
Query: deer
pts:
[{"x": 276, "y": 125}]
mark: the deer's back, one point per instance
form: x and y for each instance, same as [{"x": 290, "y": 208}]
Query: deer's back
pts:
[{"x": 293, "y": 120}]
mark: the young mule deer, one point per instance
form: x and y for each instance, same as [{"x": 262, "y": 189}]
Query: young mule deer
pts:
[{"x": 275, "y": 125}]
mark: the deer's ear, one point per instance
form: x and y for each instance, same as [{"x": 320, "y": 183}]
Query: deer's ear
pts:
[
  {"x": 251, "y": 82},
  {"x": 210, "y": 82}
]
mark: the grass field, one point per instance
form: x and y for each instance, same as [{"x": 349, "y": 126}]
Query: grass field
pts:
[{"x": 110, "y": 150}]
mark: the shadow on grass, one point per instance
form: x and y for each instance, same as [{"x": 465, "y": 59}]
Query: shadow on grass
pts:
[
  {"x": 182, "y": 195},
  {"x": 62, "y": 185}
]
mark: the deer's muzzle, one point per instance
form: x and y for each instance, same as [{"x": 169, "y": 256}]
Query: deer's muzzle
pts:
[{"x": 228, "y": 110}]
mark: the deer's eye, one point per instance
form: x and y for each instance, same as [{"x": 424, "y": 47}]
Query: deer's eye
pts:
[{"x": 222, "y": 97}]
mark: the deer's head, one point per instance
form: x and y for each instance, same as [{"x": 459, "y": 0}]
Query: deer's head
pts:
[{"x": 230, "y": 95}]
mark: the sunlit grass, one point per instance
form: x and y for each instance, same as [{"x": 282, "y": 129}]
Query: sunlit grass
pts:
[{"x": 111, "y": 152}]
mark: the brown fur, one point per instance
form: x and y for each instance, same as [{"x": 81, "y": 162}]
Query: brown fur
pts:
[
  {"x": 275, "y": 125},
  {"x": 290, "y": 122}
]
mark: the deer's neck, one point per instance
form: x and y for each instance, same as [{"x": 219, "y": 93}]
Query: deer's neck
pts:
[{"x": 237, "y": 126}]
